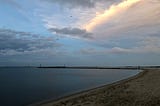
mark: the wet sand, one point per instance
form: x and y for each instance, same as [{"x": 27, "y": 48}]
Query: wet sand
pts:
[{"x": 140, "y": 90}]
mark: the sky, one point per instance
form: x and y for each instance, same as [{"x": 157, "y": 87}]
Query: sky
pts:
[{"x": 79, "y": 32}]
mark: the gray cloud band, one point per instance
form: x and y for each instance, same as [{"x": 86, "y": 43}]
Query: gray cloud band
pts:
[
  {"x": 22, "y": 42},
  {"x": 81, "y": 3},
  {"x": 75, "y": 32}
]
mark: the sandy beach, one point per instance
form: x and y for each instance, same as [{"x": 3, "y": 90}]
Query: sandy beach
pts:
[{"x": 140, "y": 90}]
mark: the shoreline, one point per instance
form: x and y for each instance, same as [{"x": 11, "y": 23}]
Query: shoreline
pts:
[{"x": 84, "y": 92}]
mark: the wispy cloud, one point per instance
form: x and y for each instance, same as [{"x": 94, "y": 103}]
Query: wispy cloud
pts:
[
  {"x": 75, "y": 3},
  {"x": 76, "y": 17},
  {"x": 80, "y": 3},
  {"x": 110, "y": 13},
  {"x": 129, "y": 18},
  {"x": 148, "y": 45}
]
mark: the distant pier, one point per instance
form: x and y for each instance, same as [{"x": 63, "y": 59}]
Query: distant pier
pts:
[{"x": 91, "y": 67}]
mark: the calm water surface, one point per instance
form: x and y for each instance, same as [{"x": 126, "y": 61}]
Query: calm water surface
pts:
[{"x": 22, "y": 86}]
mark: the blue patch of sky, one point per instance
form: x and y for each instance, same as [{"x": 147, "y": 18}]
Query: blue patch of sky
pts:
[
  {"x": 21, "y": 19},
  {"x": 127, "y": 42},
  {"x": 10, "y": 17},
  {"x": 73, "y": 44},
  {"x": 56, "y": 14}
]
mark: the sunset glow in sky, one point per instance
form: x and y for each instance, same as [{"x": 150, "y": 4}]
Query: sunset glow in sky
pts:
[
  {"x": 109, "y": 13},
  {"x": 80, "y": 32}
]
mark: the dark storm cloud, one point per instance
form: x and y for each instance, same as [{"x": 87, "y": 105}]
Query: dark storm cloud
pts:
[
  {"x": 75, "y": 32},
  {"x": 16, "y": 42}
]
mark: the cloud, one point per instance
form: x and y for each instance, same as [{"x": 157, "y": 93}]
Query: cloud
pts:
[
  {"x": 74, "y": 3},
  {"x": 107, "y": 51},
  {"x": 80, "y": 3},
  {"x": 132, "y": 20},
  {"x": 16, "y": 42},
  {"x": 136, "y": 21},
  {"x": 148, "y": 45},
  {"x": 128, "y": 18},
  {"x": 71, "y": 17},
  {"x": 71, "y": 20},
  {"x": 73, "y": 32},
  {"x": 109, "y": 13}
]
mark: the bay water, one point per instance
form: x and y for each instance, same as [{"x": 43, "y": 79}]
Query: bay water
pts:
[{"x": 21, "y": 86}]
